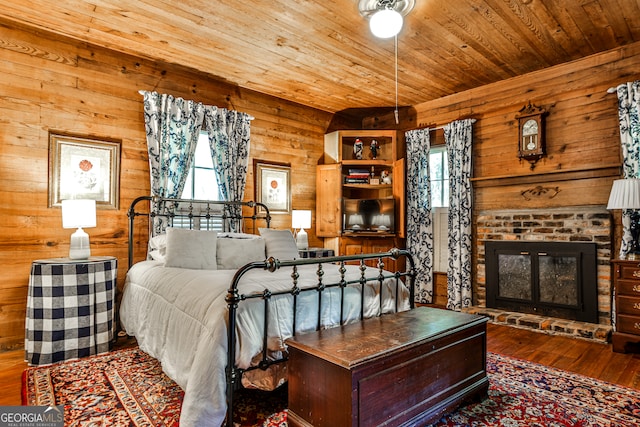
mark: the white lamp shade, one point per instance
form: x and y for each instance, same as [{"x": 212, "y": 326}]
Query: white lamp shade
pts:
[
  {"x": 300, "y": 219},
  {"x": 355, "y": 219},
  {"x": 625, "y": 194},
  {"x": 385, "y": 23},
  {"x": 78, "y": 213}
]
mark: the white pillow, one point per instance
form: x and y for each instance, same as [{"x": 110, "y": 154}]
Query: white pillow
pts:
[
  {"x": 234, "y": 253},
  {"x": 157, "y": 255},
  {"x": 195, "y": 249},
  {"x": 280, "y": 243},
  {"x": 158, "y": 245}
]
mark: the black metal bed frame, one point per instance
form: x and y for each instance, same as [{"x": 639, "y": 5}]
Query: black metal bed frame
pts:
[
  {"x": 192, "y": 211},
  {"x": 235, "y": 297}
]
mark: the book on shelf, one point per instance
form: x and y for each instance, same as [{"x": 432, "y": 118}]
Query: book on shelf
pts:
[
  {"x": 349, "y": 180},
  {"x": 358, "y": 172}
]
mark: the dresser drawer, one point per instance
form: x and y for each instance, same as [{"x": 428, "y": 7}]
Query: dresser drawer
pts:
[
  {"x": 629, "y": 271},
  {"x": 629, "y": 288},
  {"x": 628, "y": 305},
  {"x": 628, "y": 324}
]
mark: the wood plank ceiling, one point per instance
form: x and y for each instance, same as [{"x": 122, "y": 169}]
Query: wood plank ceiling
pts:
[{"x": 321, "y": 53}]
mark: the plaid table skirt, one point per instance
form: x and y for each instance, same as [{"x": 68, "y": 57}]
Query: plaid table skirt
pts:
[{"x": 70, "y": 309}]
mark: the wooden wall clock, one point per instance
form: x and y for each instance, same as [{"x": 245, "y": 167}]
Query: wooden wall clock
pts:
[{"x": 531, "y": 141}]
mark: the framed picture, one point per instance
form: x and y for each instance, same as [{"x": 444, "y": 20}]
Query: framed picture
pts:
[
  {"x": 273, "y": 186},
  {"x": 84, "y": 168}
]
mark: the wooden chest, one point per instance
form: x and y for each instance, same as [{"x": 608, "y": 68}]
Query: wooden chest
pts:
[
  {"x": 399, "y": 369},
  {"x": 626, "y": 280}
]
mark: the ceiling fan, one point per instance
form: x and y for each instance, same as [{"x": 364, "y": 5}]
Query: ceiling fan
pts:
[
  {"x": 385, "y": 16},
  {"x": 385, "y": 21}
]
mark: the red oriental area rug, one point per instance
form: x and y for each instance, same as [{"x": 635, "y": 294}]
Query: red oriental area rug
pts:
[{"x": 128, "y": 388}]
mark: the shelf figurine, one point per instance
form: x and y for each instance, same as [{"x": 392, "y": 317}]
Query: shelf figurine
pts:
[
  {"x": 358, "y": 148},
  {"x": 375, "y": 146},
  {"x": 385, "y": 177}
]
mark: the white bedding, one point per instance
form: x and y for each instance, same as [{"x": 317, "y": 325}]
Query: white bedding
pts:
[{"x": 179, "y": 316}]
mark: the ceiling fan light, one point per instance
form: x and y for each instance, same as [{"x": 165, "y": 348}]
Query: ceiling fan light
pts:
[{"x": 385, "y": 23}]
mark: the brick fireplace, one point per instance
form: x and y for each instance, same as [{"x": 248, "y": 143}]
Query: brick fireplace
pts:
[{"x": 576, "y": 224}]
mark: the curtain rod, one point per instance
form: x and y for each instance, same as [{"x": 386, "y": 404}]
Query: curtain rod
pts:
[
  {"x": 141, "y": 92},
  {"x": 441, "y": 126}
]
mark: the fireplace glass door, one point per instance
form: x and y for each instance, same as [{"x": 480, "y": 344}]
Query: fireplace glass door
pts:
[
  {"x": 514, "y": 276},
  {"x": 556, "y": 279}
]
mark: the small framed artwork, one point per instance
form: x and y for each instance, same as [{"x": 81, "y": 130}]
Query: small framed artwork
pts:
[
  {"x": 273, "y": 186},
  {"x": 84, "y": 168}
]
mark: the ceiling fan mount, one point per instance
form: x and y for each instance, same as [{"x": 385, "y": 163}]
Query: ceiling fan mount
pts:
[{"x": 368, "y": 7}]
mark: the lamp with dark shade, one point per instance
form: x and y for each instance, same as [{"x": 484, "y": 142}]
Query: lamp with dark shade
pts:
[
  {"x": 625, "y": 194},
  {"x": 80, "y": 213}
]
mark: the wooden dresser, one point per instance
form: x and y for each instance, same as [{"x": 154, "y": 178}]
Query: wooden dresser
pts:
[
  {"x": 626, "y": 280},
  {"x": 404, "y": 369}
]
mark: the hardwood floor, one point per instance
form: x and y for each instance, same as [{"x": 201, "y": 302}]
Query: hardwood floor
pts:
[{"x": 580, "y": 356}]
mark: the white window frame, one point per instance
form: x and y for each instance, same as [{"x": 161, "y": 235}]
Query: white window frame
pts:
[
  {"x": 440, "y": 216},
  {"x": 203, "y": 141}
]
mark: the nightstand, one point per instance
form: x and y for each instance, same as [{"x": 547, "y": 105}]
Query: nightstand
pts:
[
  {"x": 70, "y": 308},
  {"x": 626, "y": 282},
  {"x": 315, "y": 252}
]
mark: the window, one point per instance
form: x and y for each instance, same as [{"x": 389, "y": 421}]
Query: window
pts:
[
  {"x": 439, "y": 170},
  {"x": 202, "y": 183}
]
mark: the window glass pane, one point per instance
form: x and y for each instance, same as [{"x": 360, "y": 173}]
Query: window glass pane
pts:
[
  {"x": 435, "y": 166},
  {"x": 206, "y": 185},
  {"x": 436, "y": 194},
  {"x": 201, "y": 182},
  {"x": 203, "y": 153},
  {"x": 438, "y": 169},
  {"x": 445, "y": 165},
  {"x": 187, "y": 192}
]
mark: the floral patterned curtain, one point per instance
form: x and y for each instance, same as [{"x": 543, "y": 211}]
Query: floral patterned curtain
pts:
[
  {"x": 172, "y": 126},
  {"x": 458, "y": 138},
  {"x": 229, "y": 134},
  {"x": 419, "y": 218},
  {"x": 629, "y": 117}
]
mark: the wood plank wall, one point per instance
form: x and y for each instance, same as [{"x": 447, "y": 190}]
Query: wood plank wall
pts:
[
  {"x": 51, "y": 83},
  {"x": 583, "y": 140}
]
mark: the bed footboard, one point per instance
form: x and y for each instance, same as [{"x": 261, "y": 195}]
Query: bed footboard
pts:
[{"x": 368, "y": 277}]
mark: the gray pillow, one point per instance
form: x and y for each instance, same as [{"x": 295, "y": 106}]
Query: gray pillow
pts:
[
  {"x": 280, "y": 243},
  {"x": 233, "y": 253},
  {"x": 195, "y": 249}
]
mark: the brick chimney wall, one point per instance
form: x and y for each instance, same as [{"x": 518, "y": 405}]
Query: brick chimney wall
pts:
[{"x": 576, "y": 224}]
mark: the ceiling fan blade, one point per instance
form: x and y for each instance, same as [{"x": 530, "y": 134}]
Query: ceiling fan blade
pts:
[{"x": 369, "y": 7}]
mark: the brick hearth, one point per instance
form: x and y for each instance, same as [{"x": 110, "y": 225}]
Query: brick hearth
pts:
[{"x": 548, "y": 325}]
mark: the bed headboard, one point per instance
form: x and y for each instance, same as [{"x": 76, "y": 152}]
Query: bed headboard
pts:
[{"x": 161, "y": 212}]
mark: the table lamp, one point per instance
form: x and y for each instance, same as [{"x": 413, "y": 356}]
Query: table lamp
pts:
[
  {"x": 383, "y": 222},
  {"x": 625, "y": 194},
  {"x": 80, "y": 213},
  {"x": 355, "y": 221},
  {"x": 301, "y": 219}
]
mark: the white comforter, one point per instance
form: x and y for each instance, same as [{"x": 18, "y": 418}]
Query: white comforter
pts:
[{"x": 180, "y": 317}]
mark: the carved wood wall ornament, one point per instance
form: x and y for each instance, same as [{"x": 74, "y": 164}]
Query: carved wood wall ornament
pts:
[{"x": 540, "y": 191}]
